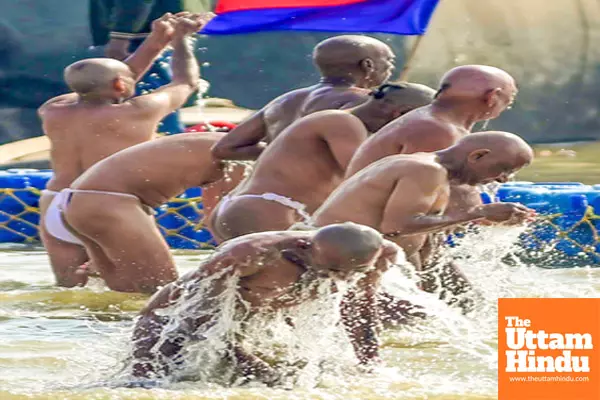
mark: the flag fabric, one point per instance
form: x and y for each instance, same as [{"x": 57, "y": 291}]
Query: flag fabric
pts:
[{"x": 403, "y": 17}]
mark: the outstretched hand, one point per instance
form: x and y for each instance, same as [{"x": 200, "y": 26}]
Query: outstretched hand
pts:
[{"x": 507, "y": 213}]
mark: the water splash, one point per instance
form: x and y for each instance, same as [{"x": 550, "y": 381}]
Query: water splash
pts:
[
  {"x": 485, "y": 124},
  {"x": 231, "y": 167},
  {"x": 448, "y": 356}
]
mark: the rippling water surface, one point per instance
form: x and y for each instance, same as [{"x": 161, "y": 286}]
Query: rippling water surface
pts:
[{"x": 68, "y": 343}]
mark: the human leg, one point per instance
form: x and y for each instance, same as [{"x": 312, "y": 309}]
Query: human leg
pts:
[{"x": 65, "y": 258}]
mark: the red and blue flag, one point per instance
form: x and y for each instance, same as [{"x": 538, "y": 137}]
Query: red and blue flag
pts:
[{"x": 403, "y": 17}]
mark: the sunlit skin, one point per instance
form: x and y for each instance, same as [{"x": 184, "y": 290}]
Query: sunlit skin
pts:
[
  {"x": 101, "y": 118},
  {"x": 349, "y": 66},
  {"x": 269, "y": 267}
]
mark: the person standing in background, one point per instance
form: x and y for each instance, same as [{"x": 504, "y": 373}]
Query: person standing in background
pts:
[{"x": 122, "y": 25}]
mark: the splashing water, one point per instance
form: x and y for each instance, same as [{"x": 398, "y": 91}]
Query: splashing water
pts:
[
  {"x": 485, "y": 124},
  {"x": 231, "y": 167},
  {"x": 66, "y": 344}
]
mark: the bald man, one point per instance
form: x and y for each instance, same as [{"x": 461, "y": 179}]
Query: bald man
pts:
[
  {"x": 467, "y": 94},
  {"x": 100, "y": 118},
  {"x": 299, "y": 170},
  {"x": 405, "y": 196},
  {"x": 270, "y": 271},
  {"x": 110, "y": 208},
  {"x": 348, "y": 64}
]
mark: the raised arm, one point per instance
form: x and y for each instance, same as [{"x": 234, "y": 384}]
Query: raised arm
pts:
[
  {"x": 162, "y": 32},
  {"x": 186, "y": 72},
  {"x": 244, "y": 142}
]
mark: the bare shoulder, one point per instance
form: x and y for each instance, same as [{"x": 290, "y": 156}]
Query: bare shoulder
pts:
[
  {"x": 58, "y": 103},
  {"x": 321, "y": 123},
  {"x": 416, "y": 166},
  {"x": 418, "y": 131},
  {"x": 427, "y": 170},
  {"x": 57, "y": 118},
  {"x": 325, "y": 98},
  {"x": 354, "y": 95},
  {"x": 426, "y": 127},
  {"x": 333, "y": 117},
  {"x": 143, "y": 104},
  {"x": 289, "y": 96},
  {"x": 52, "y": 111}
]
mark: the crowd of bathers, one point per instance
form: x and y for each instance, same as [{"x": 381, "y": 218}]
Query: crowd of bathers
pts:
[{"x": 350, "y": 176}]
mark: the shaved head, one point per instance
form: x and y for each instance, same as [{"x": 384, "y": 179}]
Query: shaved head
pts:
[
  {"x": 405, "y": 94},
  {"x": 484, "y": 157},
  {"x": 474, "y": 80},
  {"x": 347, "y": 245},
  {"x": 497, "y": 141},
  {"x": 487, "y": 91},
  {"x": 390, "y": 101},
  {"x": 342, "y": 55},
  {"x": 95, "y": 75}
]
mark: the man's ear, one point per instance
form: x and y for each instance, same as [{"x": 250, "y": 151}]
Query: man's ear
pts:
[
  {"x": 119, "y": 85},
  {"x": 491, "y": 97},
  {"x": 367, "y": 65},
  {"x": 477, "y": 155}
]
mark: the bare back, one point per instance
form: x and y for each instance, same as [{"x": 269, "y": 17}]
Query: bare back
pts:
[
  {"x": 158, "y": 170},
  {"x": 415, "y": 132},
  {"x": 265, "y": 277},
  {"x": 387, "y": 192},
  {"x": 284, "y": 110},
  {"x": 309, "y": 159},
  {"x": 82, "y": 134}
]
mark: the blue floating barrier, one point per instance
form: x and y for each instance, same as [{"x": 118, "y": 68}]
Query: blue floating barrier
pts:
[
  {"x": 558, "y": 184},
  {"x": 192, "y": 193},
  {"x": 569, "y": 212},
  {"x": 569, "y": 216}
]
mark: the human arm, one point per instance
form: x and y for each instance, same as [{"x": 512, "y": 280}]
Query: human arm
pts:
[
  {"x": 361, "y": 319},
  {"x": 186, "y": 72},
  {"x": 147, "y": 332},
  {"x": 162, "y": 32},
  {"x": 360, "y": 308},
  {"x": 155, "y": 351},
  {"x": 417, "y": 204},
  {"x": 342, "y": 132},
  {"x": 418, "y": 201},
  {"x": 244, "y": 142}
]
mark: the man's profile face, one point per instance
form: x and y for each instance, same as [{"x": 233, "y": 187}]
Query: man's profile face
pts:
[
  {"x": 495, "y": 168},
  {"x": 504, "y": 99},
  {"x": 385, "y": 62}
]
